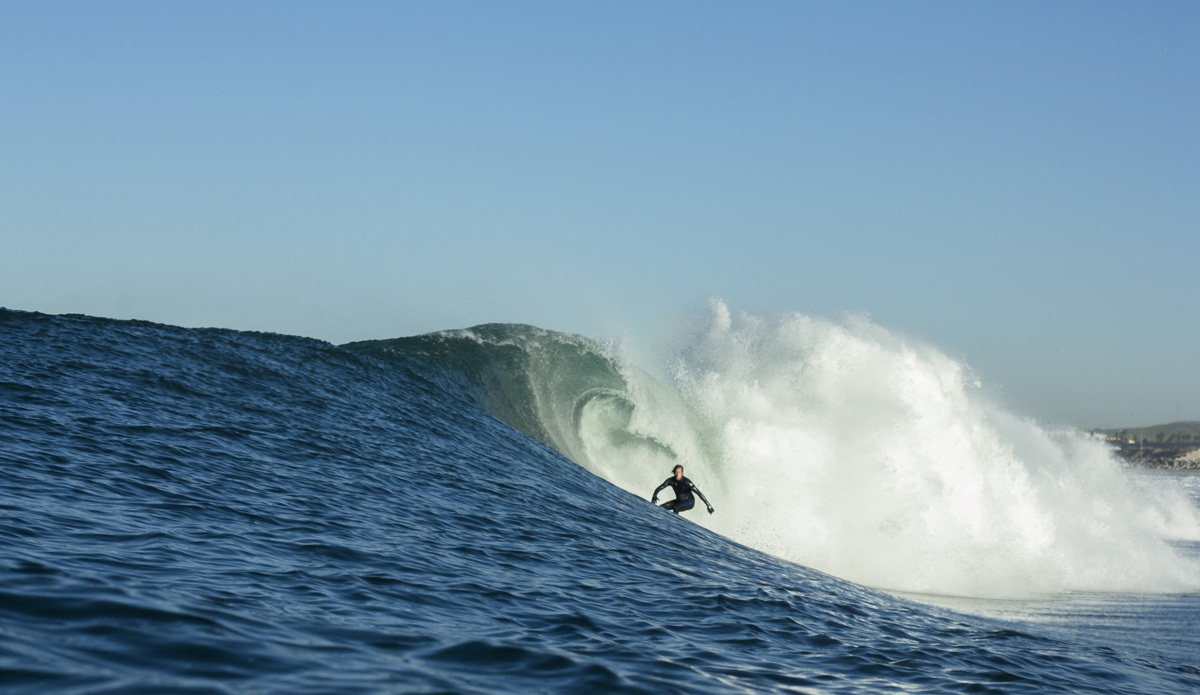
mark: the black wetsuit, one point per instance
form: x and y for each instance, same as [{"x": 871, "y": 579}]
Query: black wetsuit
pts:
[{"x": 683, "y": 494}]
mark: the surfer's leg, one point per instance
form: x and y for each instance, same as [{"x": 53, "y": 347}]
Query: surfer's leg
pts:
[{"x": 679, "y": 506}]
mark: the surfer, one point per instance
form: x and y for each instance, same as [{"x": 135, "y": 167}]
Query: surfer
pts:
[{"x": 683, "y": 493}]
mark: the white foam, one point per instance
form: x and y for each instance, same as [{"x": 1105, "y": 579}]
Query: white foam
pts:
[{"x": 848, "y": 448}]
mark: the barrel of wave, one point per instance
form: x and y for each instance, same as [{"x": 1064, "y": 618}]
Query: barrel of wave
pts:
[
  {"x": 570, "y": 393},
  {"x": 609, "y": 417}
]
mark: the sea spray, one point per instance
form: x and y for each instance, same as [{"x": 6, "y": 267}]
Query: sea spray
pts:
[{"x": 851, "y": 449}]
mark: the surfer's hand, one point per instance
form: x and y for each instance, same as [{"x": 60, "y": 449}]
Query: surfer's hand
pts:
[
  {"x": 654, "y": 499},
  {"x": 710, "y": 509}
]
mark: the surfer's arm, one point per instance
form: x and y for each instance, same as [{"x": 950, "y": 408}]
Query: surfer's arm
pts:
[
  {"x": 701, "y": 496},
  {"x": 654, "y": 497}
]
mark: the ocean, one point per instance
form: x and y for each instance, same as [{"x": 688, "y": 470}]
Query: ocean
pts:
[{"x": 215, "y": 511}]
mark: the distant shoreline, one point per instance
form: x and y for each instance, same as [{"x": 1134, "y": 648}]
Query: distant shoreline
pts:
[
  {"x": 1173, "y": 446},
  {"x": 1163, "y": 456}
]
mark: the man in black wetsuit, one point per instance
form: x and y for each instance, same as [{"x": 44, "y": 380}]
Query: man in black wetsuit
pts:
[{"x": 683, "y": 493}]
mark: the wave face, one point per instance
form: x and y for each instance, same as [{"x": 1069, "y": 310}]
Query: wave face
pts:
[{"x": 225, "y": 512}]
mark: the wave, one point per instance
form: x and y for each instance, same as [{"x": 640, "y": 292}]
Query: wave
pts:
[
  {"x": 197, "y": 509},
  {"x": 842, "y": 446}
]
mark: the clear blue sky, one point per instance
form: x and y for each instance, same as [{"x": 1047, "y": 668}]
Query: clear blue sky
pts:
[{"x": 1015, "y": 182}]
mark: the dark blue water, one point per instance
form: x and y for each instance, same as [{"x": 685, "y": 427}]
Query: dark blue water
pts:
[{"x": 208, "y": 511}]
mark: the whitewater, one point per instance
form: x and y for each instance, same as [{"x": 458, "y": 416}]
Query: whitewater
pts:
[{"x": 213, "y": 511}]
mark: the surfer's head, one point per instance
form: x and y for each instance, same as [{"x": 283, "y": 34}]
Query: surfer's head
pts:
[{"x": 678, "y": 471}]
